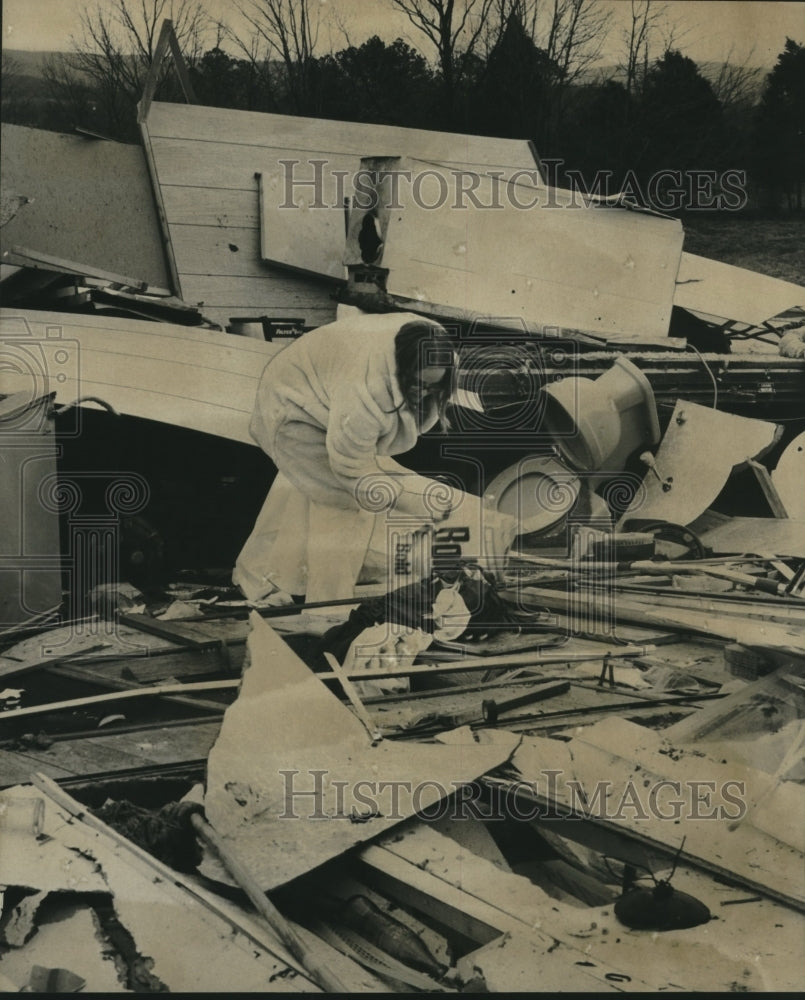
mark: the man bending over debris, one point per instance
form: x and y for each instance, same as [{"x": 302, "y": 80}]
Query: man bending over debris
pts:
[{"x": 330, "y": 408}]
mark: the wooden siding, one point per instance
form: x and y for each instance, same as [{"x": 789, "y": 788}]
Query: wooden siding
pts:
[
  {"x": 602, "y": 270},
  {"x": 200, "y": 379},
  {"x": 205, "y": 162}
]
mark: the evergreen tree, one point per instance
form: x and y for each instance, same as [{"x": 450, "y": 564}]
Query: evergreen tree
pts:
[
  {"x": 680, "y": 122},
  {"x": 779, "y": 133},
  {"x": 380, "y": 83},
  {"x": 513, "y": 90}
]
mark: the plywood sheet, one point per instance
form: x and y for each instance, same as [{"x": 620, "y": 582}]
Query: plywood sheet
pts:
[
  {"x": 616, "y": 764},
  {"x": 603, "y": 270},
  {"x": 714, "y": 959},
  {"x": 719, "y": 289},
  {"x": 88, "y": 201}
]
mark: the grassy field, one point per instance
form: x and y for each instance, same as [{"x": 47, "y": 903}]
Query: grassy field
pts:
[{"x": 770, "y": 245}]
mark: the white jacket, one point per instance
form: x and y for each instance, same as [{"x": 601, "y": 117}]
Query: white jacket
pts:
[{"x": 340, "y": 381}]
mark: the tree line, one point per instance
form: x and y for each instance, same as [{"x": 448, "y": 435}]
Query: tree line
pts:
[{"x": 675, "y": 134}]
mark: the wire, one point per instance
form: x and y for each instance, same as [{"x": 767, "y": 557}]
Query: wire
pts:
[{"x": 710, "y": 373}]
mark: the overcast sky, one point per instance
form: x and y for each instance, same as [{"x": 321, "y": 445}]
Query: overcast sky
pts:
[{"x": 706, "y": 30}]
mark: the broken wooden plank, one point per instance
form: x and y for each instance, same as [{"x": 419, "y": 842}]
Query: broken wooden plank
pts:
[
  {"x": 159, "y": 204},
  {"x": 593, "y": 605},
  {"x": 86, "y": 640},
  {"x": 723, "y": 955},
  {"x": 764, "y": 536},
  {"x": 104, "y": 678},
  {"x": 115, "y": 696},
  {"x": 710, "y": 286},
  {"x": 154, "y": 903},
  {"x": 532, "y": 659},
  {"x": 321, "y": 973},
  {"x": 109, "y": 751},
  {"x": 787, "y": 477},
  {"x": 474, "y": 900},
  {"x": 765, "y": 705},
  {"x": 648, "y": 567},
  {"x": 764, "y": 480},
  {"x": 17, "y": 254},
  {"x": 16, "y": 768}
]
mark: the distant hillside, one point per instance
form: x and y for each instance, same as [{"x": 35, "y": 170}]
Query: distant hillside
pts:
[
  {"x": 25, "y": 62},
  {"x": 31, "y": 63},
  {"x": 26, "y": 98},
  {"x": 710, "y": 70}
]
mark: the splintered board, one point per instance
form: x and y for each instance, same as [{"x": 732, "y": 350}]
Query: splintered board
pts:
[
  {"x": 748, "y": 828},
  {"x": 588, "y": 948}
]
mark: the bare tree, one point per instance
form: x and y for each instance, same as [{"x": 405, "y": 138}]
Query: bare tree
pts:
[
  {"x": 737, "y": 84},
  {"x": 645, "y": 23},
  {"x": 286, "y": 31},
  {"x": 576, "y": 32},
  {"x": 113, "y": 53},
  {"x": 454, "y": 28}
]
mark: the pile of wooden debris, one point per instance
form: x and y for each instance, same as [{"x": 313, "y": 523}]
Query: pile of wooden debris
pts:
[
  {"x": 532, "y": 807},
  {"x": 573, "y": 764}
]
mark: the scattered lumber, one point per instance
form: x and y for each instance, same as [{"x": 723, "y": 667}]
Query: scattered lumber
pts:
[
  {"x": 591, "y": 605},
  {"x": 513, "y": 920},
  {"x": 222, "y": 946},
  {"x": 606, "y": 774}
]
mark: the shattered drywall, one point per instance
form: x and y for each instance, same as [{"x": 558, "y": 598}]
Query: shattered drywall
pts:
[{"x": 294, "y": 781}]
